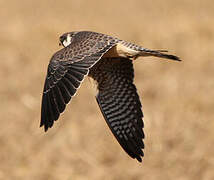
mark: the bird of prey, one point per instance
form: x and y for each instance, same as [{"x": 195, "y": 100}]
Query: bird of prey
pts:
[{"x": 109, "y": 61}]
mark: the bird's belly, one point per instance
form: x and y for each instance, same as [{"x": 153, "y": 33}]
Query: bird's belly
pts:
[{"x": 121, "y": 51}]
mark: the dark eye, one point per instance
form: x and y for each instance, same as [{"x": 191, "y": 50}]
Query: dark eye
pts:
[{"x": 62, "y": 38}]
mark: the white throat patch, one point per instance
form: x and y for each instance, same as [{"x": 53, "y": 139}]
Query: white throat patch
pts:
[{"x": 67, "y": 41}]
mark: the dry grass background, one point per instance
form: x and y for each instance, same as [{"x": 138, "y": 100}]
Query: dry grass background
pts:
[{"x": 178, "y": 98}]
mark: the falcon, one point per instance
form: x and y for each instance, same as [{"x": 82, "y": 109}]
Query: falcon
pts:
[{"x": 109, "y": 61}]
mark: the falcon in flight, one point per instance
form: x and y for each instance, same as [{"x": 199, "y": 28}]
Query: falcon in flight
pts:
[{"x": 109, "y": 61}]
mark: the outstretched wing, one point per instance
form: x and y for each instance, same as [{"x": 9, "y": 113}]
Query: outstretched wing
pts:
[
  {"x": 66, "y": 71},
  {"x": 119, "y": 103}
]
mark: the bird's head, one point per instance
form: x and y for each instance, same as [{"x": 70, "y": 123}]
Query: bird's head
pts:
[{"x": 65, "y": 39}]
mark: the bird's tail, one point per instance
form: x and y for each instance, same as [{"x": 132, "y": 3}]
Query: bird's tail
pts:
[{"x": 158, "y": 53}]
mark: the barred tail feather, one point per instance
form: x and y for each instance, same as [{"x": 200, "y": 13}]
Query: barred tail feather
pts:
[{"x": 159, "y": 53}]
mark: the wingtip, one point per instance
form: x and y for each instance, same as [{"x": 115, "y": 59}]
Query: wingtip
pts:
[
  {"x": 41, "y": 124},
  {"x": 45, "y": 127},
  {"x": 139, "y": 159}
]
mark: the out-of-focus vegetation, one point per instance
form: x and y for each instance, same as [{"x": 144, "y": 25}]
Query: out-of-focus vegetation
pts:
[{"x": 177, "y": 97}]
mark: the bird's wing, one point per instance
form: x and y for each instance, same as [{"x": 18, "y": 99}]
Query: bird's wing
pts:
[
  {"x": 66, "y": 71},
  {"x": 120, "y": 104}
]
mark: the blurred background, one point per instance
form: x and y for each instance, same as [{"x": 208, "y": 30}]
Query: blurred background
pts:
[{"x": 177, "y": 97}]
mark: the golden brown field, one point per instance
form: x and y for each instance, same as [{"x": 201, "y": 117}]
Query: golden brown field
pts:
[{"x": 177, "y": 97}]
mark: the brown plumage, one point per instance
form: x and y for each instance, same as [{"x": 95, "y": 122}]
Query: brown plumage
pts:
[{"x": 108, "y": 61}]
